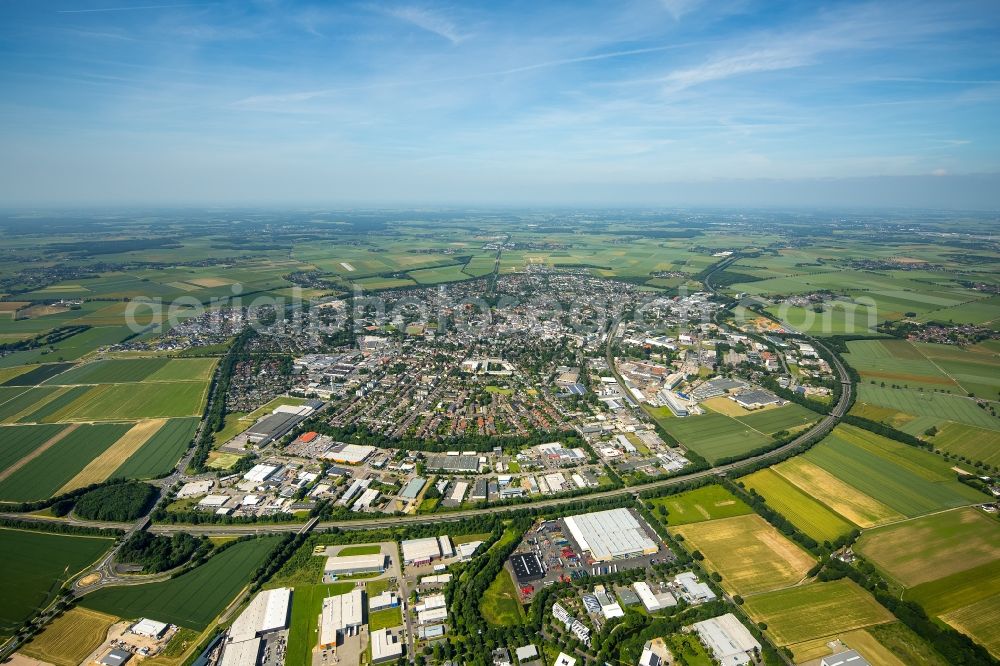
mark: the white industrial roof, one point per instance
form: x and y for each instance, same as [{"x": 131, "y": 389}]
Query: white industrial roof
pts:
[
  {"x": 432, "y": 615},
  {"x": 146, "y": 627},
  {"x": 420, "y": 549},
  {"x": 354, "y": 562},
  {"x": 565, "y": 660},
  {"x": 260, "y": 473},
  {"x": 340, "y": 612},
  {"x": 610, "y": 534},
  {"x": 728, "y": 640},
  {"x": 385, "y": 645},
  {"x": 267, "y": 612},
  {"x": 194, "y": 488},
  {"x": 241, "y": 653},
  {"x": 214, "y": 500}
]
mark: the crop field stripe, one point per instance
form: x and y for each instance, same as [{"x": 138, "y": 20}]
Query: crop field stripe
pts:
[
  {"x": 111, "y": 371},
  {"x": 38, "y": 375},
  {"x": 37, "y": 451},
  {"x": 949, "y": 407},
  {"x": 18, "y": 441},
  {"x": 816, "y": 610},
  {"x": 27, "y": 402},
  {"x": 161, "y": 451},
  {"x": 115, "y": 402},
  {"x": 194, "y": 599},
  {"x": 803, "y": 510},
  {"x": 841, "y": 497},
  {"x": 51, "y": 469},
  {"x": 948, "y": 593},
  {"x": 101, "y": 468},
  {"x": 868, "y": 461},
  {"x": 53, "y": 404},
  {"x": 980, "y": 621},
  {"x": 68, "y": 639},
  {"x": 921, "y": 550},
  {"x": 706, "y": 503}
]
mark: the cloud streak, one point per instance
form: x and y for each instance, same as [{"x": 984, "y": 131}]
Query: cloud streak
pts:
[{"x": 430, "y": 21}]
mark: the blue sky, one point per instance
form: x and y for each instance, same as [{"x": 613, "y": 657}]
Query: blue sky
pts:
[{"x": 662, "y": 102}]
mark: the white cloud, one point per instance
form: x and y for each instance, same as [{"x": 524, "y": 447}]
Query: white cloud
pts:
[
  {"x": 430, "y": 21},
  {"x": 678, "y": 8}
]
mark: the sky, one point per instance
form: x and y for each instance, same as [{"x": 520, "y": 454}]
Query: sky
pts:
[{"x": 641, "y": 102}]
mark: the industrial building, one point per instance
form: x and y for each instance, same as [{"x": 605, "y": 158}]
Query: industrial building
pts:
[
  {"x": 417, "y": 552},
  {"x": 845, "y": 658},
  {"x": 386, "y": 646},
  {"x": 280, "y": 422},
  {"x": 116, "y": 657},
  {"x": 149, "y": 628},
  {"x": 610, "y": 535},
  {"x": 727, "y": 639},
  {"x": 453, "y": 464},
  {"x": 266, "y": 614},
  {"x": 653, "y": 601},
  {"x": 756, "y": 399},
  {"x": 354, "y": 564},
  {"x": 349, "y": 454},
  {"x": 527, "y": 567},
  {"x": 387, "y": 599},
  {"x": 412, "y": 488},
  {"x": 340, "y": 614}
]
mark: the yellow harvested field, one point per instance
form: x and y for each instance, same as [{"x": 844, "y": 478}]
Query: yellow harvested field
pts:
[
  {"x": 980, "y": 621},
  {"x": 71, "y": 637},
  {"x": 858, "y": 639},
  {"x": 748, "y": 552},
  {"x": 103, "y": 466},
  {"x": 925, "y": 549},
  {"x": 848, "y": 501},
  {"x": 725, "y": 406}
]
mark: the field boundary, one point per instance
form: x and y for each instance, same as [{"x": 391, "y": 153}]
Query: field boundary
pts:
[
  {"x": 103, "y": 466},
  {"x": 52, "y": 441}
]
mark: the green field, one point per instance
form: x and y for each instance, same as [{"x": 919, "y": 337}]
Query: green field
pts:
[
  {"x": 53, "y": 404},
  {"x": 112, "y": 371},
  {"x": 307, "y": 603},
  {"x": 18, "y": 441},
  {"x": 38, "y": 374},
  {"x": 385, "y": 619},
  {"x": 161, "y": 452},
  {"x": 714, "y": 436},
  {"x": 193, "y": 599},
  {"x": 801, "y": 509},
  {"x": 35, "y": 566},
  {"x": 26, "y": 401},
  {"x": 501, "y": 603},
  {"x": 897, "y": 362},
  {"x": 705, "y": 503},
  {"x": 909, "y": 480},
  {"x": 109, "y": 402},
  {"x": 817, "y": 610},
  {"x": 925, "y": 403},
  {"x": 41, "y": 477},
  {"x": 786, "y": 417},
  {"x": 964, "y": 440}
]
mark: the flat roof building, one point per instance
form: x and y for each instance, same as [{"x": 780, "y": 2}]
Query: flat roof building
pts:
[
  {"x": 349, "y": 454},
  {"x": 420, "y": 551},
  {"x": 386, "y": 646},
  {"x": 727, "y": 639},
  {"x": 116, "y": 657},
  {"x": 354, "y": 564},
  {"x": 846, "y": 658},
  {"x": 527, "y": 567},
  {"x": 266, "y": 613},
  {"x": 610, "y": 535},
  {"x": 413, "y": 488},
  {"x": 340, "y": 613},
  {"x": 457, "y": 464},
  {"x": 149, "y": 628}
]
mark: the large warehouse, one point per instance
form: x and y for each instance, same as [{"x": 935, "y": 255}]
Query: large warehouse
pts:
[
  {"x": 354, "y": 564},
  {"x": 610, "y": 535}
]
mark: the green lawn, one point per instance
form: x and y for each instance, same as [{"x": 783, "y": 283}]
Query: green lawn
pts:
[
  {"x": 193, "y": 599},
  {"x": 501, "y": 603},
  {"x": 369, "y": 549},
  {"x": 307, "y": 603},
  {"x": 705, "y": 503},
  {"x": 385, "y": 618},
  {"x": 35, "y": 566}
]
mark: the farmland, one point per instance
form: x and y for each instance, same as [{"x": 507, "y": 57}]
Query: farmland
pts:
[
  {"x": 924, "y": 403},
  {"x": 705, "y": 503},
  {"x": 714, "y": 436},
  {"x": 35, "y": 565},
  {"x": 111, "y": 371},
  {"x": 42, "y": 476},
  {"x": 828, "y": 489},
  {"x": 935, "y": 546},
  {"x": 160, "y": 452},
  {"x": 750, "y": 554},
  {"x": 908, "y": 480},
  {"x": 19, "y": 441},
  {"x": 817, "y": 610},
  {"x": 193, "y": 599},
  {"x": 805, "y": 512},
  {"x": 104, "y": 465},
  {"x": 71, "y": 637},
  {"x": 898, "y": 362},
  {"x": 110, "y": 402}
]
